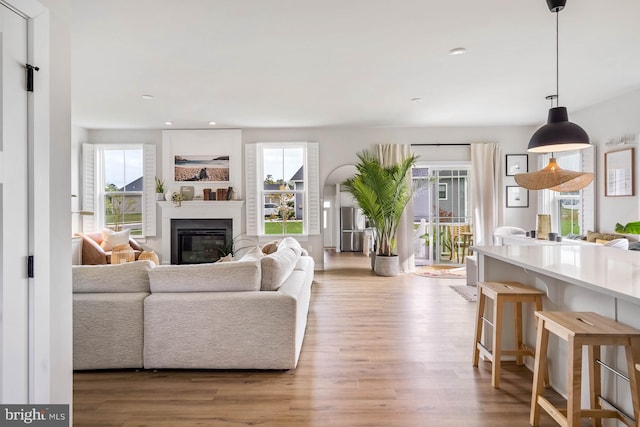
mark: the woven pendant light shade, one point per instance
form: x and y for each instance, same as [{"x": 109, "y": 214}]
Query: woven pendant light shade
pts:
[{"x": 554, "y": 178}]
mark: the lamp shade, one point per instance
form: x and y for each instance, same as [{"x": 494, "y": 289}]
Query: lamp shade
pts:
[
  {"x": 559, "y": 134},
  {"x": 554, "y": 178}
]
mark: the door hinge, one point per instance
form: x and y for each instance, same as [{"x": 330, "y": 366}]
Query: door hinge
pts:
[
  {"x": 30, "y": 266},
  {"x": 30, "y": 69}
]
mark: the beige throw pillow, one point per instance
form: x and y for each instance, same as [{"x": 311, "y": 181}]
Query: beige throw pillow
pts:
[
  {"x": 111, "y": 239},
  {"x": 270, "y": 247}
]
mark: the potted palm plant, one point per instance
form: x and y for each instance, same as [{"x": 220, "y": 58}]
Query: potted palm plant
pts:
[{"x": 382, "y": 193}]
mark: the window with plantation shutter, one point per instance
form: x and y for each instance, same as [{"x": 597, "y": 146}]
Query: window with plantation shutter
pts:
[{"x": 283, "y": 196}]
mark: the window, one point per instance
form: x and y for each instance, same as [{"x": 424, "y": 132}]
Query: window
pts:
[
  {"x": 282, "y": 189},
  {"x": 121, "y": 189},
  {"x": 118, "y": 188},
  {"x": 572, "y": 212}
]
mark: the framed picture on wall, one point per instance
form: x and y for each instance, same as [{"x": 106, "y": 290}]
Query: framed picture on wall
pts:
[
  {"x": 517, "y": 163},
  {"x": 619, "y": 173},
  {"x": 517, "y": 197},
  {"x": 211, "y": 168}
]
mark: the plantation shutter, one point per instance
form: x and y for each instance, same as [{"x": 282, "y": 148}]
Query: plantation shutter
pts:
[
  {"x": 313, "y": 187},
  {"x": 251, "y": 204},
  {"x": 149, "y": 191},
  {"x": 89, "y": 222}
]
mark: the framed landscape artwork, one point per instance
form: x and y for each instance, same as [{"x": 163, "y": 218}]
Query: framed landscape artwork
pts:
[
  {"x": 517, "y": 163},
  {"x": 517, "y": 197},
  {"x": 201, "y": 168},
  {"x": 618, "y": 173}
]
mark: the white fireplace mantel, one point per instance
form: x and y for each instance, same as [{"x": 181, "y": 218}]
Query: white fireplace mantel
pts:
[{"x": 199, "y": 209}]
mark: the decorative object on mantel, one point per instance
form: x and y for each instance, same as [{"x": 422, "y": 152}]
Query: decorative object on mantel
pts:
[
  {"x": 553, "y": 177},
  {"x": 544, "y": 226},
  {"x": 159, "y": 189},
  {"x": 206, "y": 194},
  {"x": 221, "y": 194},
  {"x": 187, "y": 192},
  {"x": 177, "y": 198},
  {"x": 559, "y": 134}
]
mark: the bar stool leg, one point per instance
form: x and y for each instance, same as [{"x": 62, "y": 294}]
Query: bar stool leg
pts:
[
  {"x": 633, "y": 357},
  {"x": 595, "y": 382},
  {"x": 498, "y": 305},
  {"x": 539, "y": 368},
  {"x": 574, "y": 382},
  {"x": 482, "y": 298},
  {"x": 517, "y": 314}
]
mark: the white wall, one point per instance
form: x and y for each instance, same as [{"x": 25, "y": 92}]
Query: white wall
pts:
[
  {"x": 612, "y": 119},
  {"x": 339, "y": 146}
]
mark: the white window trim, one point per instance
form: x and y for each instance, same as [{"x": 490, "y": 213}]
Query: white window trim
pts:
[
  {"x": 255, "y": 191},
  {"x": 91, "y": 200}
]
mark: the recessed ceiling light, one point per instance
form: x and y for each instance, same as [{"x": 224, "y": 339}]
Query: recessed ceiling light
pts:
[
  {"x": 212, "y": 123},
  {"x": 147, "y": 96},
  {"x": 168, "y": 123},
  {"x": 458, "y": 51}
]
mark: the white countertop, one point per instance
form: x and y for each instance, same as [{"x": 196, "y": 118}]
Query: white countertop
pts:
[{"x": 611, "y": 271}]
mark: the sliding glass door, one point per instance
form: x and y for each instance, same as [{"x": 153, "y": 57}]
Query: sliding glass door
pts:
[{"x": 442, "y": 213}]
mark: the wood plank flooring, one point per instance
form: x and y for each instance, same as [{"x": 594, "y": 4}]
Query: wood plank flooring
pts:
[{"x": 378, "y": 352}]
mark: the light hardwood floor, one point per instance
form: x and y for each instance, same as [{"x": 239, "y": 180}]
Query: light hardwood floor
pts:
[{"x": 378, "y": 352}]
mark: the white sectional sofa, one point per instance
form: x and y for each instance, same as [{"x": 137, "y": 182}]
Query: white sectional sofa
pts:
[{"x": 245, "y": 314}]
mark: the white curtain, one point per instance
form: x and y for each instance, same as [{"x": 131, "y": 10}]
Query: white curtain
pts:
[
  {"x": 486, "y": 191},
  {"x": 390, "y": 154}
]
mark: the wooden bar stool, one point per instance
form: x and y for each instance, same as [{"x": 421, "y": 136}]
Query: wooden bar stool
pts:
[
  {"x": 501, "y": 293},
  {"x": 580, "y": 329}
]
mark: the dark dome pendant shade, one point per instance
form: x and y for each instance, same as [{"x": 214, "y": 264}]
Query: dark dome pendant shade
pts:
[{"x": 559, "y": 134}]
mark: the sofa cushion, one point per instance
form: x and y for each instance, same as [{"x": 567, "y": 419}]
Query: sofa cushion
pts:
[
  {"x": 129, "y": 277},
  {"x": 233, "y": 276},
  {"x": 111, "y": 239},
  {"x": 277, "y": 266}
]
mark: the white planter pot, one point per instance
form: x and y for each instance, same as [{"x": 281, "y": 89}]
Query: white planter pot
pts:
[
  {"x": 388, "y": 266},
  {"x": 159, "y": 197}
]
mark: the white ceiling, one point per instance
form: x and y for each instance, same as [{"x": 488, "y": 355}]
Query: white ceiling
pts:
[{"x": 304, "y": 63}]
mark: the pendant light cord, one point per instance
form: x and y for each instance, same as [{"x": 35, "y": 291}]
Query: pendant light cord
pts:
[{"x": 557, "y": 59}]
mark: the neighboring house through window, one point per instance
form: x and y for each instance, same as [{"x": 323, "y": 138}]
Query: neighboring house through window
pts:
[
  {"x": 282, "y": 189},
  {"x": 118, "y": 187}
]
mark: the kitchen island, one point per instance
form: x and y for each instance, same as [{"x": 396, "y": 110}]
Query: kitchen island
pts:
[{"x": 574, "y": 278}]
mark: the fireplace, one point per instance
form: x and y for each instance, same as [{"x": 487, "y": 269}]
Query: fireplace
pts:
[{"x": 197, "y": 241}]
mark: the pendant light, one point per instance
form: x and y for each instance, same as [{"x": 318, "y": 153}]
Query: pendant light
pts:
[{"x": 559, "y": 134}]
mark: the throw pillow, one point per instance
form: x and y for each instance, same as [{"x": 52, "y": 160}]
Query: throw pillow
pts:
[
  {"x": 270, "y": 247},
  {"x": 602, "y": 241},
  {"x": 592, "y": 236},
  {"x": 111, "y": 239}
]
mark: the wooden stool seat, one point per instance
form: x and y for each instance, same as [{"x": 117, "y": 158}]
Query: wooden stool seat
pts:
[
  {"x": 578, "y": 329},
  {"x": 501, "y": 293}
]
